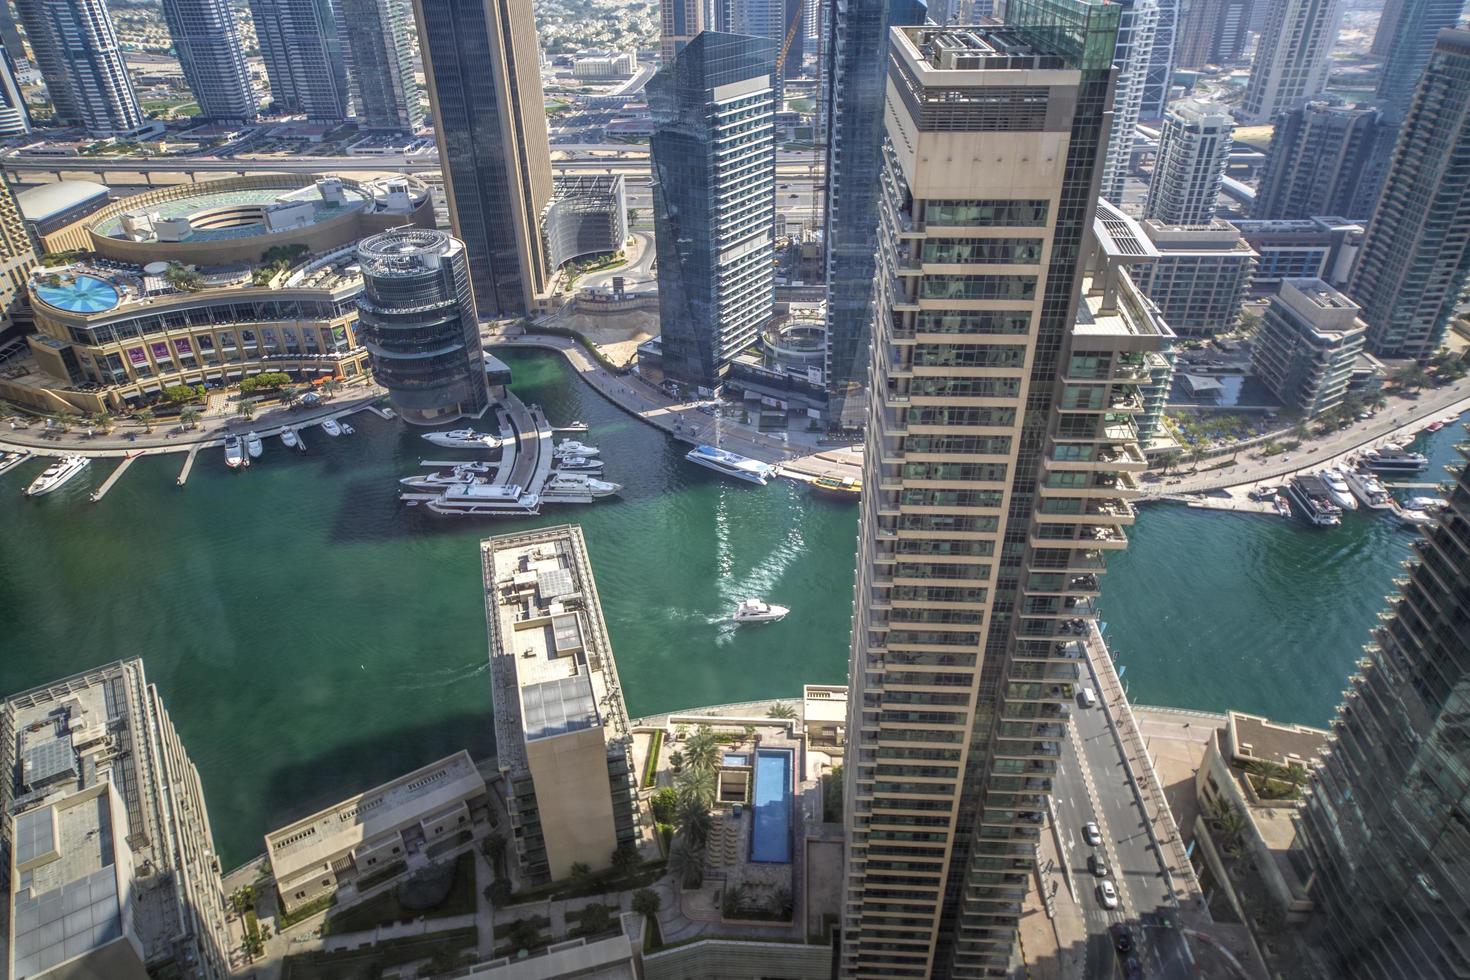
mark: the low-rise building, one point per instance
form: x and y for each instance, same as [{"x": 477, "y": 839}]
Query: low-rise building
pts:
[
  {"x": 48, "y": 208},
  {"x": 562, "y": 736},
  {"x": 603, "y": 65},
  {"x": 113, "y": 872},
  {"x": 1308, "y": 346},
  {"x": 314, "y": 856},
  {"x": 1309, "y": 248},
  {"x": 1200, "y": 278}
]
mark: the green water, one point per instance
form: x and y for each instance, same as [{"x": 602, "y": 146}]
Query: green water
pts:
[{"x": 311, "y": 637}]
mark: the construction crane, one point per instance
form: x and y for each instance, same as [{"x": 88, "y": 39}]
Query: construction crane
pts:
[{"x": 796, "y": 20}]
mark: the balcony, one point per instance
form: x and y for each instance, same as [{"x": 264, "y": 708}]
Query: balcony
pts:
[{"x": 1106, "y": 536}]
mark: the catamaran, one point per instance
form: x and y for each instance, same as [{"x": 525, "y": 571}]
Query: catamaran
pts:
[
  {"x": 731, "y": 464},
  {"x": 1392, "y": 460},
  {"x": 57, "y": 474},
  {"x": 1311, "y": 495}
]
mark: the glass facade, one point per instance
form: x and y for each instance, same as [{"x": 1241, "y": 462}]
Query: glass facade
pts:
[
  {"x": 302, "y": 50},
  {"x": 1318, "y": 163},
  {"x": 207, "y": 43},
  {"x": 714, "y": 201},
  {"x": 587, "y": 216},
  {"x": 417, "y": 320},
  {"x": 385, "y": 91},
  {"x": 77, "y": 52}
]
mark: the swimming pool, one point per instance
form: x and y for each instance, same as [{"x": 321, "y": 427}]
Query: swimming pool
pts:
[
  {"x": 770, "y": 828},
  {"x": 737, "y": 759},
  {"x": 84, "y": 294}
]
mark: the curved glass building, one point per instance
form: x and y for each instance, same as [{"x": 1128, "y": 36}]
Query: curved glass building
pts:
[{"x": 417, "y": 320}]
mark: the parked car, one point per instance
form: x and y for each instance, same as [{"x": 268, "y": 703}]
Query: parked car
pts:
[
  {"x": 1091, "y": 833},
  {"x": 1107, "y": 894}
]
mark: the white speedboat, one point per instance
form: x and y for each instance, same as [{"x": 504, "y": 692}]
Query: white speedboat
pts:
[
  {"x": 756, "y": 611},
  {"x": 463, "y": 439},
  {"x": 730, "y": 464},
  {"x": 579, "y": 464},
  {"x": 234, "y": 452},
  {"x": 478, "y": 467},
  {"x": 388, "y": 413},
  {"x": 331, "y": 428},
  {"x": 1430, "y": 505},
  {"x": 253, "y": 445},
  {"x": 578, "y": 426},
  {"x": 1337, "y": 489},
  {"x": 577, "y": 488},
  {"x": 571, "y": 447},
  {"x": 485, "y": 500},
  {"x": 1368, "y": 489},
  {"x": 347, "y": 430},
  {"x": 12, "y": 460},
  {"x": 457, "y": 477},
  {"x": 288, "y": 437},
  {"x": 57, "y": 474},
  {"x": 1414, "y": 518}
]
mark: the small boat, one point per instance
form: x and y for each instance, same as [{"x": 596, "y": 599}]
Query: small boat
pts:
[
  {"x": 347, "y": 430},
  {"x": 846, "y": 487},
  {"x": 288, "y": 437},
  {"x": 463, "y": 439},
  {"x": 756, "y": 611},
  {"x": 388, "y": 413},
  {"x": 578, "y": 426},
  {"x": 11, "y": 460},
  {"x": 1368, "y": 489},
  {"x": 253, "y": 445},
  {"x": 1392, "y": 460},
  {"x": 57, "y": 474},
  {"x": 1450, "y": 419},
  {"x": 571, "y": 447},
  {"x": 1311, "y": 495},
  {"x": 1282, "y": 505},
  {"x": 1337, "y": 489},
  {"x": 1414, "y": 518},
  {"x": 477, "y": 467},
  {"x": 1430, "y": 505},
  {"x": 234, "y": 452},
  {"x": 1434, "y": 426},
  {"x": 731, "y": 464},
  {"x": 1264, "y": 493},
  {"x": 331, "y": 428},
  {"x": 579, "y": 464}
]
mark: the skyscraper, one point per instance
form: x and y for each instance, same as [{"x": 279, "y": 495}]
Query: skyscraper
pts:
[
  {"x": 207, "y": 42},
  {"x": 1318, "y": 162},
  {"x": 1412, "y": 39},
  {"x": 679, "y": 22},
  {"x": 987, "y": 504},
  {"x": 15, "y": 117},
  {"x": 714, "y": 201},
  {"x": 76, "y": 51},
  {"x": 385, "y": 92},
  {"x": 1211, "y": 32},
  {"x": 301, "y": 44},
  {"x": 1160, "y": 77},
  {"x": 483, "y": 67},
  {"x": 855, "y": 72},
  {"x": 1388, "y": 21},
  {"x": 18, "y": 254},
  {"x": 1416, "y": 255},
  {"x": 769, "y": 19},
  {"x": 1133, "y": 57},
  {"x": 1293, "y": 57},
  {"x": 1386, "y": 813},
  {"x": 1194, "y": 144}
]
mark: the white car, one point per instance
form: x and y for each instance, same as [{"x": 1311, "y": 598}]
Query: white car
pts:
[
  {"x": 1107, "y": 894},
  {"x": 1091, "y": 834}
]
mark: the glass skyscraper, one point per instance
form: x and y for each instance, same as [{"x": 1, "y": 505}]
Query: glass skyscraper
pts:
[
  {"x": 301, "y": 46},
  {"x": 385, "y": 92},
  {"x": 1134, "y": 57},
  {"x": 77, "y": 53},
  {"x": 207, "y": 42},
  {"x": 1160, "y": 62},
  {"x": 714, "y": 201},
  {"x": 1412, "y": 39}
]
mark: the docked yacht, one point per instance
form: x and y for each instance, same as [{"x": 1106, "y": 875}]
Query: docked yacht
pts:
[
  {"x": 1311, "y": 495},
  {"x": 579, "y": 464},
  {"x": 388, "y": 413},
  {"x": 234, "y": 452},
  {"x": 578, "y": 426},
  {"x": 347, "y": 430},
  {"x": 571, "y": 447},
  {"x": 756, "y": 611},
  {"x": 457, "y": 477},
  {"x": 730, "y": 464},
  {"x": 846, "y": 487},
  {"x": 331, "y": 428},
  {"x": 486, "y": 500},
  {"x": 1282, "y": 505},
  {"x": 576, "y": 488},
  {"x": 11, "y": 460},
  {"x": 253, "y": 445},
  {"x": 1414, "y": 518},
  {"x": 1337, "y": 489},
  {"x": 1369, "y": 489},
  {"x": 1430, "y": 505},
  {"x": 1394, "y": 460},
  {"x": 288, "y": 437},
  {"x": 463, "y": 439},
  {"x": 57, "y": 474}
]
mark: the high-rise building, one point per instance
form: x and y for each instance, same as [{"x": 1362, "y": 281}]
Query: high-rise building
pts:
[
  {"x": 1200, "y": 277},
  {"x": 484, "y": 72},
  {"x": 588, "y": 215},
  {"x": 207, "y": 42},
  {"x": 385, "y": 92},
  {"x": 1194, "y": 143},
  {"x": 18, "y": 253},
  {"x": 562, "y": 737},
  {"x": 1416, "y": 256},
  {"x": 1293, "y": 57},
  {"x": 1320, "y": 247},
  {"x": 112, "y": 867},
  {"x": 1211, "y": 32},
  {"x": 1133, "y": 57},
  {"x": 1160, "y": 77},
  {"x": 1318, "y": 162},
  {"x": 714, "y": 201},
  {"x": 1418, "y": 24},
  {"x": 301, "y": 44},
  {"x": 416, "y": 316},
  {"x": 680, "y": 21},
  {"x": 1000, "y": 454},
  {"x": 15, "y": 116},
  {"x": 854, "y": 76},
  {"x": 10, "y": 37},
  {"x": 1309, "y": 339},
  {"x": 1387, "y": 23},
  {"x": 1385, "y": 816},
  {"x": 77, "y": 52}
]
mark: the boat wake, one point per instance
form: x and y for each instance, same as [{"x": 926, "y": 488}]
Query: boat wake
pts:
[{"x": 445, "y": 676}]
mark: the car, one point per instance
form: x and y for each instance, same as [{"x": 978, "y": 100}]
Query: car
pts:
[
  {"x": 1091, "y": 833},
  {"x": 1107, "y": 894},
  {"x": 1097, "y": 866},
  {"x": 1087, "y": 696},
  {"x": 1122, "y": 937},
  {"x": 1132, "y": 967}
]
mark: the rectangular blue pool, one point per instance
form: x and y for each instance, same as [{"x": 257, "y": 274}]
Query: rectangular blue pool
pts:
[
  {"x": 770, "y": 827},
  {"x": 736, "y": 759}
]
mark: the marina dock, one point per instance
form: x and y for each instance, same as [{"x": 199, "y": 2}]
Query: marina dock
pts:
[
  {"x": 112, "y": 477},
  {"x": 379, "y": 412},
  {"x": 188, "y": 466}
]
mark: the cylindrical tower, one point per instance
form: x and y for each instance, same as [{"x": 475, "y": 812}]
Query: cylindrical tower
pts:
[{"x": 419, "y": 326}]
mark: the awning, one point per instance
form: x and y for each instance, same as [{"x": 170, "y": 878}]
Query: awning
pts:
[
  {"x": 254, "y": 371},
  {"x": 213, "y": 375},
  {"x": 234, "y": 374},
  {"x": 326, "y": 370},
  {"x": 152, "y": 389}
]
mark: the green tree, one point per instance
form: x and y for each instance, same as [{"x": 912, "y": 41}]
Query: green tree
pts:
[
  {"x": 702, "y": 750},
  {"x": 676, "y": 762},
  {"x": 686, "y": 861},
  {"x": 189, "y": 418},
  {"x": 523, "y": 934},
  {"x": 246, "y": 408},
  {"x": 693, "y": 821},
  {"x": 632, "y": 216},
  {"x": 783, "y": 903},
  {"x": 145, "y": 416},
  {"x": 101, "y": 421},
  {"x": 498, "y": 892},
  {"x": 662, "y": 803},
  {"x": 330, "y": 387},
  {"x": 781, "y": 710},
  {"x": 1410, "y": 375},
  {"x": 581, "y": 874},
  {"x": 595, "y": 918},
  {"x": 625, "y": 859},
  {"x": 494, "y": 847},
  {"x": 646, "y": 902},
  {"x": 183, "y": 393},
  {"x": 696, "y": 784}
]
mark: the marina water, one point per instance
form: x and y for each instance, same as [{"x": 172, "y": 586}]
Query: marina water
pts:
[{"x": 312, "y": 637}]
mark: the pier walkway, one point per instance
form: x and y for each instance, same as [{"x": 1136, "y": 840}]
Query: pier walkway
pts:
[{"x": 113, "y": 477}]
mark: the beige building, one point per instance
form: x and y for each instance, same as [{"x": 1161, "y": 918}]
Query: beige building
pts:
[
  {"x": 113, "y": 871},
  {"x": 17, "y": 253},
  {"x": 561, "y": 729},
  {"x": 372, "y": 831}
]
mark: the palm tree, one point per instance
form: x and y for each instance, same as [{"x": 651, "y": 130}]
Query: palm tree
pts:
[
  {"x": 145, "y": 415},
  {"x": 781, "y": 710},
  {"x": 246, "y": 409},
  {"x": 190, "y": 418},
  {"x": 330, "y": 387},
  {"x": 687, "y": 863},
  {"x": 101, "y": 421},
  {"x": 694, "y": 821},
  {"x": 702, "y": 751},
  {"x": 696, "y": 784}
]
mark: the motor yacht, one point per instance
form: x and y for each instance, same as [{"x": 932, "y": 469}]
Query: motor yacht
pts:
[
  {"x": 456, "y": 477},
  {"x": 1414, "y": 518},
  {"x": 1311, "y": 495},
  {"x": 12, "y": 460},
  {"x": 731, "y": 464},
  {"x": 1394, "y": 460},
  {"x": 463, "y": 439},
  {"x": 1337, "y": 489},
  {"x": 577, "y": 488},
  {"x": 347, "y": 430},
  {"x": 331, "y": 428},
  {"x": 757, "y": 611},
  {"x": 253, "y": 445},
  {"x": 1369, "y": 489},
  {"x": 578, "y": 426},
  {"x": 234, "y": 452},
  {"x": 57, "y": 474},
  {"x": 486, "y": 500},
  {"x": 1282, "y": 505},
  {"x": 571, "y": 447},
  {"x": 1430, "y": 505},
  {"x": 388, "y": 413},
  {"x": 579, "y": 464}
]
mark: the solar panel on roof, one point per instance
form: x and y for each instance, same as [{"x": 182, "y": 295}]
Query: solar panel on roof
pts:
[
  {"x": 66, "y": 922},
  {"x": 34, "y": 835},
  {"x": 555, "y": 583},
  {"x": 558, "y": 707},
  {"x": 47, "y": 761}
]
